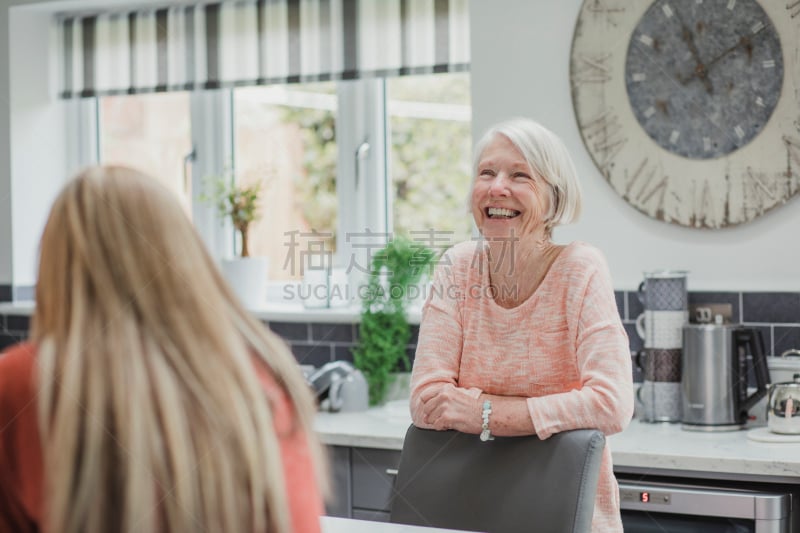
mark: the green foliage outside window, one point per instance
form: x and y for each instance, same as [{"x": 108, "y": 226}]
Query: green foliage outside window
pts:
[
  {"x": 430, "y": 163},
  {"x": 317, "y": 189}
]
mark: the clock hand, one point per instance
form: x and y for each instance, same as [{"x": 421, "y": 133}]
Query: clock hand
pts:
[
  {"x": 743, "y": 41},
  {"x": 700, "y": 70}
]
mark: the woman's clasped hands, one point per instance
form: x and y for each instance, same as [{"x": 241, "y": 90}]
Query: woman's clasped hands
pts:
[{"x": 451, "y": 407}]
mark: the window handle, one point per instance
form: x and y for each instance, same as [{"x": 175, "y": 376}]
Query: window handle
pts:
[
  {"x": 362, "y": 153},
  {"x": 391, "y": 471},
  {"x": 187, "y": 159}
]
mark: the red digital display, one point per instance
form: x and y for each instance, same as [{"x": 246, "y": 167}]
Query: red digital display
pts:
[{"x": 644, "y": 497}]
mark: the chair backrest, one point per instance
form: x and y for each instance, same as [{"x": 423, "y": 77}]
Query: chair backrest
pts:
[{"x": 511, "y": 484}]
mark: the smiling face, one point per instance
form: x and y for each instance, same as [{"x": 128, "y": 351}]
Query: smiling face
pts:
[{"x": 508, "y": 198}]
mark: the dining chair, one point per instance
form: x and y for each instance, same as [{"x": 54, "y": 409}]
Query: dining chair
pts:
[{"x": 507, "y": 485}]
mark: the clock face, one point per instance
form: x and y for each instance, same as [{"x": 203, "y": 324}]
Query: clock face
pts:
[
  {"x": 702, "y": 79},
  {"x": 690, "y": 108}
]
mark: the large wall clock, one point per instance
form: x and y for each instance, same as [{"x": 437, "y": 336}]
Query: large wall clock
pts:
[{"x": 691, "y": 108}]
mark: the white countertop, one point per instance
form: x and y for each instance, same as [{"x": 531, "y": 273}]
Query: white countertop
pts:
[
  {"x": 332, "y": 524},
  {"x": 663, "y": 449}
]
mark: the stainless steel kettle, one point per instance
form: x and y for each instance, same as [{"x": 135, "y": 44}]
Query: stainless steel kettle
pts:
[
  {"x": 714, "y": 375},
  {"x": 783, "y": 407}
]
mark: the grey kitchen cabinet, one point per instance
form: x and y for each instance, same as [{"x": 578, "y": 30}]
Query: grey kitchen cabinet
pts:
[{"x": 362, "y": 480}]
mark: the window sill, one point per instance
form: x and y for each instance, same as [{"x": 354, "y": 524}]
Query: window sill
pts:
[
  {"x": 21, "y": 308},
  {"x": 295, "y": 312}
]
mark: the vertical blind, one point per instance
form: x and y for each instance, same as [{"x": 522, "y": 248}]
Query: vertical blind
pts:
[{"x": 256, "y": 42}]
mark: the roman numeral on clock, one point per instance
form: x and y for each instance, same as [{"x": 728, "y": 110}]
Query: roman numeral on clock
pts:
[
  {"x": 601, "y": 8},
  {"x": 792, "y": 146},
  {"x": 592, "y": 69},
  {"x": 793, "y": 8},
  {"x": 760, "y": 197},
  {"x": 604, "y": 135}
]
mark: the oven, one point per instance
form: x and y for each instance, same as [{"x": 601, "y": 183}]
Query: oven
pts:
[{"x": 659, "y": 505}]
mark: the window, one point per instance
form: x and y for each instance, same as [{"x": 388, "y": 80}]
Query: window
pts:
[
  {"x": 429, "y": 119},
  {"x": 150, "y": 132},
  {"x": 338, "y": 160},
  {"x": 285, "y": 136}
]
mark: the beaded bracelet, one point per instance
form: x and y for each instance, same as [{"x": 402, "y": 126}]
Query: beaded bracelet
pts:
[{"x": 487, "y": 410}]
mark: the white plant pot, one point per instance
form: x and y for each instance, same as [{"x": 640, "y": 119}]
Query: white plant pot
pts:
[{"x": 248, "y": 278}]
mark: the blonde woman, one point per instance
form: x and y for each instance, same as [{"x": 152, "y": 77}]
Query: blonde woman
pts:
[{"x": 148, "y": 399}]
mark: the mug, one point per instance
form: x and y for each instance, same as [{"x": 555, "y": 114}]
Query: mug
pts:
[
  {"x": 664, "y": 290},
  {"x": 661, "y": 402},
  {"x": 660, "y": 365},
  {"x": 314, "y": 290},
  {"x": 662, "y": 329},
  {"x": 338, "y": 288}
]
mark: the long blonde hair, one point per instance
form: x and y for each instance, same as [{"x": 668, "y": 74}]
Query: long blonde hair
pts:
[{"x": 152, "y": 415}]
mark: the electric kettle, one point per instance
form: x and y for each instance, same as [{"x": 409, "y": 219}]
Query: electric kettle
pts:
[{"x": 714, "y": 377}]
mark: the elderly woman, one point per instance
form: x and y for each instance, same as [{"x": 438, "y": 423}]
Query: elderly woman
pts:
[
  {"x": 148, "y": 399},
  {"x": 520, "y": 322}
]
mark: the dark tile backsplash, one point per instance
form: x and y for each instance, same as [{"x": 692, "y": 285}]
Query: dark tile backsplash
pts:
[
  {"x": 775, "y": 314},
  {"x": 620, "y": 297},
  {"x": 332, "y": 332},
  {"x": 13, "y": 329},
  {"x": 310, "y": 353},
  {"x": 292, "y": 331},
  {"x": 634, "y": 305},
  {"x": 9, "y": 339},
  {"x": 785, "y": 338},
  {"x": 778, "y": 307},
  {"x": 17, "y": 323}
]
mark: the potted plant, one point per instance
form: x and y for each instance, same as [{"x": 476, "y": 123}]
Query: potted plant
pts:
[
  {"x": 240, "y": 203},
  {"x": 384, "y": 331}
]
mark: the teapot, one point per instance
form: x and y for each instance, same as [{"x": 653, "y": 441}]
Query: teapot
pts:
[{"x": 783, "y": 407}]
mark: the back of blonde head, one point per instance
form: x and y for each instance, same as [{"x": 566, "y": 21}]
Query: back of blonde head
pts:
[{"x": 152, "y": 416}]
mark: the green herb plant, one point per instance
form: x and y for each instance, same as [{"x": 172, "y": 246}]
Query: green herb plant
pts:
[
  {"x": 384, "y": 331},
  {"x": 239, "y": 202}
]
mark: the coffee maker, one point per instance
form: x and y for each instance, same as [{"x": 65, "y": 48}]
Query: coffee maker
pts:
[{"x": 715, "y": 375}]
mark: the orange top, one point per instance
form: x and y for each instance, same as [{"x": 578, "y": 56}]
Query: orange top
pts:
[
  {"x": 21, "y": 476},
  {"x": 564, "y": 349}
]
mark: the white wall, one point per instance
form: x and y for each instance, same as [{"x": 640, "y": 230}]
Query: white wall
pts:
[
  {"x": 5, "y": 156},
  {"x": 38, "y": 137},
  {"x": 520, "y": 67},
  {"x": 32, "y": 139},
  {"x": 34, "y": 142}
]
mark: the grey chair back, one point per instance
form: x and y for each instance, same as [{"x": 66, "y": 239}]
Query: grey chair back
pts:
[{"x": 453, "y": 480}]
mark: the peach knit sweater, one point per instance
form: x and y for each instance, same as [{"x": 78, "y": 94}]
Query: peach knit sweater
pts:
[{"x": 564, "y": 349}]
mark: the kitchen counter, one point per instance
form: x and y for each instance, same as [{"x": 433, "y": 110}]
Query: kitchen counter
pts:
[
  {"x": 332, "y": 524},
  {"x": 643, "y": 448}
]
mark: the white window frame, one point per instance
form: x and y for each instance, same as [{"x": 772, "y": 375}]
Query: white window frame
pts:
[{"x": 362, "y": 164}]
